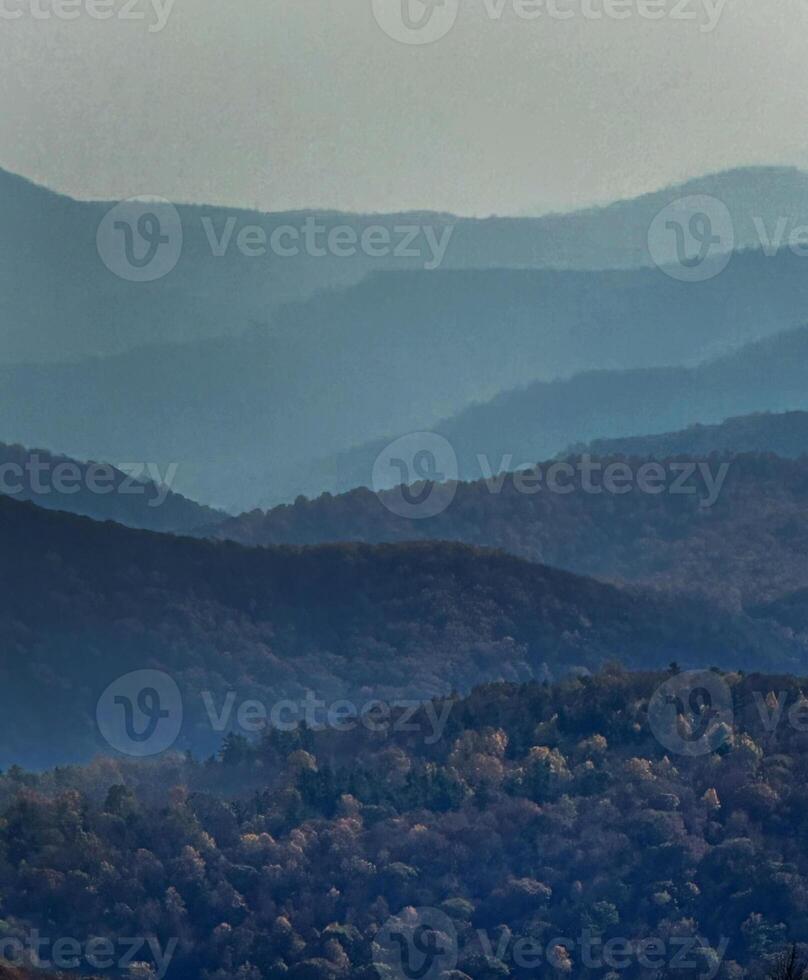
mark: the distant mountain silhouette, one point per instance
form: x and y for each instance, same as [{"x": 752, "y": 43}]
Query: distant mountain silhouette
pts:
[
  {"x": 544, "y": 419},
  {"x": 785, "y": 434},
  {"x": 60, "y": 302},
  {"x": 752, "y": 195},
  {"x": 83, "y": 603},
  {"x": 248, "y": 419},
  {"x": 100, "y": 491}
]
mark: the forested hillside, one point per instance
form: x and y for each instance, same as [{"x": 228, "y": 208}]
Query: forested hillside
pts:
[
  {"x": 83, "y": 603},
  {"x": 549, "y": 816},
  {"x": 749, "y": 545}
]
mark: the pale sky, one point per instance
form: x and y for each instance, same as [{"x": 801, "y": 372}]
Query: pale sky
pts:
[{"x": 302, "y": 103}]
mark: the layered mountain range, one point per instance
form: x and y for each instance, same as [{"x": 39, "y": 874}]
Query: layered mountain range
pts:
[
  {"x": 223, "y": 282},
  {"x": 509, "y": 365},
  {"x": 257, "y": 394}
]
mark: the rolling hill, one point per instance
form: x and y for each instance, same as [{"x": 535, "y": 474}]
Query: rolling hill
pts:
[
  {"x": 60, "y": 302},
  {"x": 747, "y": 548},
  {"x": 250, "y": 420},
  {"x": 543, "y": 419},
  {"x": 783, "y": 433},
  {"x": 102, "y": 492},
  {"x": 82, "y": 604}
]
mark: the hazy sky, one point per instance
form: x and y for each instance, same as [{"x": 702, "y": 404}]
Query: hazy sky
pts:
[{"x": 287, "y": 103}]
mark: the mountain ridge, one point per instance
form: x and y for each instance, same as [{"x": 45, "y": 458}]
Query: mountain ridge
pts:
[
  {"x": 83, "y": 604},
  {"x": 86, "y": 310},
  {"x": 100, "y": 491},
  {"x": 398, "y": 353},
  {"x": 766, "y": 375},
  {"x": 783, "y": 433},
  {"x": 743, "y": 550}
]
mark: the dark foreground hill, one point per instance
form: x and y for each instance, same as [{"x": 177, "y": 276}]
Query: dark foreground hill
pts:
[
  {"x": 748, "y": 546},
  {"x": 547, "y": 830},
  {"x": 100, "y": 491},
  {"x": 82, "y": 604}
]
